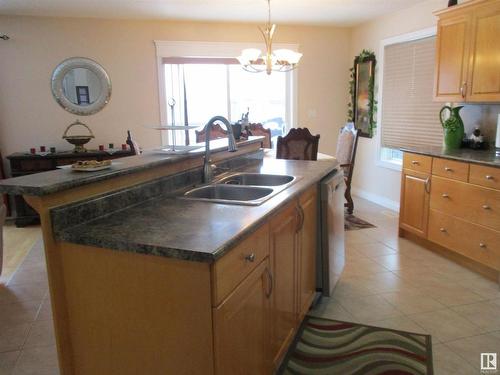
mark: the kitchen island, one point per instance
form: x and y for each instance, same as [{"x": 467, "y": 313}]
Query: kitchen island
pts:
[
  {"x": 144, "y": 282},
  {"x": 450, "y": 203}
]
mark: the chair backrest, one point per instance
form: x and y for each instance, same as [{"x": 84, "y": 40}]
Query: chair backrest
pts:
[
  {"x": 346, "y": 150},
  {"x": 258, "y": 129},
  {"x": 3, "y": 214},
  {"x": 298, "y": 144},
  {"x": 216, "y": 132}
]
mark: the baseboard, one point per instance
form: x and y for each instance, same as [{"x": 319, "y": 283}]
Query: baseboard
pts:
[{"x": 375, "y": 198}]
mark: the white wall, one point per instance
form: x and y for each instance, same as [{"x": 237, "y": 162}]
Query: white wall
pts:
[{"x": 370, "y": 180}]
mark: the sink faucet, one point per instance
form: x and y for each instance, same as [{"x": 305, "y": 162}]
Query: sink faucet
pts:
[{"x": 207, "y": 167}]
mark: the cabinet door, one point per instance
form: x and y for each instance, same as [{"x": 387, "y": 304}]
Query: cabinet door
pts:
[
  {"x": 484, "y": 71},
  {"x": 241, "y": 327},
  {"x": 414, "y": 211},
  {"x": 452, "y": 54},
  {"x": 283, "y": 237},
  {"x": 307, "y": 250}
]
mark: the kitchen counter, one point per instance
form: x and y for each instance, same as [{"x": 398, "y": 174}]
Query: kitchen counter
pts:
[
  {"x": 193, "y": 230},
  {"x": 483, "y": 157},
  {"x": 50, "y": 182}
]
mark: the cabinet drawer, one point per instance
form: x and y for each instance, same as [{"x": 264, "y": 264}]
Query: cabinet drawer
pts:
[
  {"x": 473, "y": 241},
  {"x": 473, "y": 203},
  {"x": 485, "y": 176},
  {"x": 415, "y": 162},
  {"x": 233, "y": 267},
  {"x": 454, "y": 170}
]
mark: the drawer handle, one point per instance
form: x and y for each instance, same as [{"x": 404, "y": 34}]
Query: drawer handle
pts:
[
  {"x": 488, "y": 177},
  {"x": 448, "y": 169},
  {"x": 250, "y": 258},
  {"x": 414, "y": 162},
  {"x": 442, "y": 230},
  {"x": 482, "y": 245},
  {"x": 486, "y": 207},
  {"x": 444, "y": 195},
  {"x": 270, "y": 279}
]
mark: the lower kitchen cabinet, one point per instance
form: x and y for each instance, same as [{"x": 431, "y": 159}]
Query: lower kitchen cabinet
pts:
[
  {"x": 308, "y": 206},
  {"x": 283, "y": 238},
  {"x": 414, "y": 211},
  {"x": 293, "y": 236},
  {"x": 241, "y": 326}
]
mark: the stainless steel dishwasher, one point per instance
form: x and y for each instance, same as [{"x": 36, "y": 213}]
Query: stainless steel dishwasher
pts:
[{"x": 331, "y": 249}]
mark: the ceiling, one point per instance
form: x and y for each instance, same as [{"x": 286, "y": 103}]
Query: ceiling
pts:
[{"x": 328, "y": 12}]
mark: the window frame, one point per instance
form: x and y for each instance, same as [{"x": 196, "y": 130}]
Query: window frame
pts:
[
  {"x": 395, "y": 164},
  {"x": 218, "y": 49}
]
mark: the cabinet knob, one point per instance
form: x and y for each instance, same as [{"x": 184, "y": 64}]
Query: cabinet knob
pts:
[
  {"x": 250, "y": 258},
  {"x": 448, "y": 169},
  {"x": 444, "y": 195},
  {"x": 414, "y": 162},
  {"x": 488, "y": 177},
  {"x": 482, "y": 245},
  {"x": 486, "y": 207},
  {"x": 442, "y": 230}
]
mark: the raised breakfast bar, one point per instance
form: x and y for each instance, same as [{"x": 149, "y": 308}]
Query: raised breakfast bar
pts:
[{"x": 145, "y": 281}]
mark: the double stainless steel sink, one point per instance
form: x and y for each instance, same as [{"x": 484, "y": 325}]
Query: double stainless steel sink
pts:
[{"x": 250, "y": 189}]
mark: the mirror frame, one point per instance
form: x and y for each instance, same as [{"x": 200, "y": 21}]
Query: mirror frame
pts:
[{"x": 58, "y": 91}]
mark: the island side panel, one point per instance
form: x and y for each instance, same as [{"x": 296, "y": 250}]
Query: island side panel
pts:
[{"x": 131, "y": 313}]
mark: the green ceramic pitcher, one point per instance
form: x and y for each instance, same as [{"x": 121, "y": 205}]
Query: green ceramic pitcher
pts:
[{"x": 453, "y": 127}]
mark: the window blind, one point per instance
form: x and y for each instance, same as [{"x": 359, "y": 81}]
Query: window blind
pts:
[{"x": 409, "y": 116}]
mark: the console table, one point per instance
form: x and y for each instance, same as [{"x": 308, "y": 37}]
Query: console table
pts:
[{"x": 23, "y": 163}]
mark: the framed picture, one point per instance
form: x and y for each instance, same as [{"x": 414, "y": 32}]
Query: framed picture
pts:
[{"x": 363, "y": 102}]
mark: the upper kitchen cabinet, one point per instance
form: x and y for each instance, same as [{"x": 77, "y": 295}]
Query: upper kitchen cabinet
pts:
[{"x": 468, "y": 53}]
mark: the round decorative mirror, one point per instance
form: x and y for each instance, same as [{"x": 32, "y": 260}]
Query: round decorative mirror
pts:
[{"x": 81, "y": 86}]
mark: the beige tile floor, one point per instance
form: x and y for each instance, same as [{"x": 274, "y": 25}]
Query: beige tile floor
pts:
[{"x": 388, "y": 282}]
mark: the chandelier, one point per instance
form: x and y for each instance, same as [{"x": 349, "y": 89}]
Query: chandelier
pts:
[{"x": 281, "y": 60}]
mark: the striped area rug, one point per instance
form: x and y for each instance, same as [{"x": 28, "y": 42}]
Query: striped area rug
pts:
[{"x": 329, "y": 347}]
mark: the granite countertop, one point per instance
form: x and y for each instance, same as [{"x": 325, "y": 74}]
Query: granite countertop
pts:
[
  {"x": 484, "y": 157},
  {"x": 62, "y": 179},
  {"x": 194, "y": 230}
]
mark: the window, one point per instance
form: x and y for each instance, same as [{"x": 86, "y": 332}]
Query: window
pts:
[
  {"x": 215, "y": 84},
  {"x": 408, "y": 115}
]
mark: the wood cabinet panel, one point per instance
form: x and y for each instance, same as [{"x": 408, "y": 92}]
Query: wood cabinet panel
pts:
[
  {"x": 485, "y": 176},
  {"x": 484, "y": 72},
  {"x": 307, "y": 259},
  {"x": 477, "y": 204},
  {"x": 233, "y": 267},
  {"x": 241, "y": 326},
  {"x": 473, "y": 241},
  {"x": 417, "y": 163},
  {"x": 454, "y": 170},
  {"x": 414, "y": 209},
  {"x": 283, "y": 244},
  {"x": 452, "y": 54}
]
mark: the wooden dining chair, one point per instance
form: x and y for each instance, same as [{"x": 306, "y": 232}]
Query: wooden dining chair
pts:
[
  {"x": 298, "y": 144},
  {"x": 258, "y": 129},
  {"x": 346, "y": 155},
  {"x": 216, "y": 132}
]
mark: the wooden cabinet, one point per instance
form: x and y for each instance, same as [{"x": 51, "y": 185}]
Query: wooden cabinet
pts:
[
  {"x": 307, "y": 250},
  {"x": 457, "y": 207},
  {"x": 293, "y": 236},
  {"x": 415, "y": 189},
  {"x": 452, "y": 53},
  {"x": 467, "y": 54},
  {"x": 241, "y": 326},
  {"x": 283, "y": 238}
]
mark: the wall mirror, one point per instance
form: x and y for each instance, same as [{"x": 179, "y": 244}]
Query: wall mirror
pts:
[{"x": 81, "y": 86}]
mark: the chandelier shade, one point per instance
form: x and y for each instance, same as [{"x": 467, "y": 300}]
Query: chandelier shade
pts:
[{"x": 281, "y": 60}]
